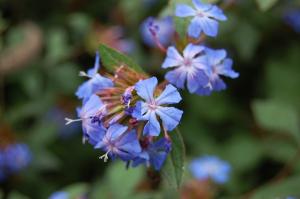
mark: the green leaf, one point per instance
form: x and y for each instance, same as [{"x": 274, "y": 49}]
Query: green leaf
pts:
[
  {"x": 112, "y": 59},
  {"x": 288, "y": 187},
  {"x": 276, "y": 116},
  {"x": 265, "y": 5},
  {"x": 174, "y": 166},
  {"x": 16, "y": 195}
]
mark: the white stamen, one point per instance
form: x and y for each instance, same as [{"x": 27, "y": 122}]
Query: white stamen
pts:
[
  {"x": 69, "y": 121},
  {"x": 104, "y": 156},
  {"x": 83, "y": 74}
]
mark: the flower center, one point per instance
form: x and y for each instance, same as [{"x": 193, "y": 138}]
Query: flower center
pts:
[
  {"x": 187, "y": 62},
  {"x": 152, "y": 106}
]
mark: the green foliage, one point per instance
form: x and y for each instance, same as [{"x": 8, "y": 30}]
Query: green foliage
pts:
[
  {"x": 112, "y": 59},
  {"x": 265, "y": 5},
  {"x": 288, "y": 187},
  {"x": 174, "y": 166},
  {"x": 277, "y": 117}
]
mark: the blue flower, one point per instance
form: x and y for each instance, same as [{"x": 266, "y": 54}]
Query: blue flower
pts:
[
  {"x": 59, "y": 195},
  {"x": 292, "y": 18},
  {"x": 117, "y": 142},
  {"x": 160, "y": 29},
  {"x": 154, "y": 153},
  {"x": 188, "y": 68},
  {"x": 2, "y": 161},
  {"x": 16, "y": 157},
  {"x": 148, "y": 110},
  {"x": 218, "y": 65},
  {"x": 95, "y": 83},
  {"x": 210, "y": 167},
  {"x": 205, "y": 18},
  {"x": 90, "y": 114}
]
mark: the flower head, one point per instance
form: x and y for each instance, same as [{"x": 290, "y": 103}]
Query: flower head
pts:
[
  {"x": 16, "y": 157},
  {"x": 218, "y": 65},
  {"x": 189, "y": 67},
  {"x": 205, "y": 18},
  {"x": 156, "y": 31},
  {"x": 151, "y": 107},
  {"x": 95, "y": 83},
  {"x": 117, "y": 142},
  {"x": 154, "y": 153},
  {"x": 210, "y": 167}
]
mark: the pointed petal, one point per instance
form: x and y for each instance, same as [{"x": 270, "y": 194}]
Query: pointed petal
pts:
[
  {"x": 183, "y": 10},
  {"x": 191, "y": 50},
  {"x": 204, "y": 91},
  {"x": 99, "y": 83},
  {"x": 218, "y": 84},
  {"x": 195, "y": 28},
  {"x": 217, "y": 13},
  {"x": 158, "y": 160},
  {"x": 177, "y": 77},
  {"x": 145, "y": 88},
  {"x": 215, "y": 56},
  {"x": 115, "y": 131},
  {"x": 196, "y": 79},
  {"x": 173, "y": 58},
  {"x": 152, "y": 127},
  {"x": 209, "y": 26},
  {"x": 169, "y": 96},
  {"x": 130, "y": 143},
  {"x": 201, "y": 6},
  {"x": 226, "y": 69},
  {"x": 170, "y": 116},
  {"x": 91, "y": 107},
  {"x": 84, "y": 91}
]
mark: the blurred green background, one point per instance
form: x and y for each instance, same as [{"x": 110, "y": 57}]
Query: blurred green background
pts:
[{"x": 254, "y": 124}]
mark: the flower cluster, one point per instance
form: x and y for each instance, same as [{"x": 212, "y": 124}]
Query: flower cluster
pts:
[
  {"x": 210, "y": 167},
  {"x": 13, "y": 158},
  {"x": 128, "y": 114},
  {"x": 124, "y": 114}
]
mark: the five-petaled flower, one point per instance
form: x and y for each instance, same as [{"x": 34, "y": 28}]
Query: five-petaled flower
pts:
[
  {"x": 117, "y": 142},
  {"x": 218, "y": 65},
  {"x": 210, "y": 167},
  {"x": 188, "y": 68},
  {"x": 149, "y": 109},
  {"x": 205, "y": 18}
]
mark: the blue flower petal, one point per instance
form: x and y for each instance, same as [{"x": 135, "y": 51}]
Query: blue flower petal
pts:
[
  {"x": 152, "y": 127},
  {"x": 183, "y": 10},
  {"x": 173, "y": 58},
  {"x": 145, "y": 88},
  {"x": 191, "y": 50},
  {"x": 115, "y": 131},
  {"x": 218, "y": 84},
  {"x": 226, "y": 69},
  {"x": 195, "y": 28},
  {"x": 177, "y": 77},
  {"x": 209, "y": 26},
  {"x": 170, "y": 117},
  {"x": 196, "y": 79},
  {"x": 93, "y": 71},
  {"x": 216, "y": 13},
  {"x": 201, "y": 6},
  {"x": 169, "y": 96}
]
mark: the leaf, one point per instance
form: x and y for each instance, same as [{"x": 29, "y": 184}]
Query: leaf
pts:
[
  {"x": 288, "y": 187},
  {"x": 16, "y": 195},
  {"x": 265, "y": 5},
  {"x": 276, "y": 116},
  {"x": 174, "y": 166},
  {"x": 112, "y": 59}
]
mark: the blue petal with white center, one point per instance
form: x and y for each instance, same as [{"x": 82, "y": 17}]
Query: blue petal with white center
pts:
[
  {"x": 218, "y": 65},
  {"x": 205, "y": 18},
  {"x": 152, "y": 107},
  {"x": 210, "y": 167},
  {"x": 189, "y": 67},
  {"x": 117, "y": 142}
]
